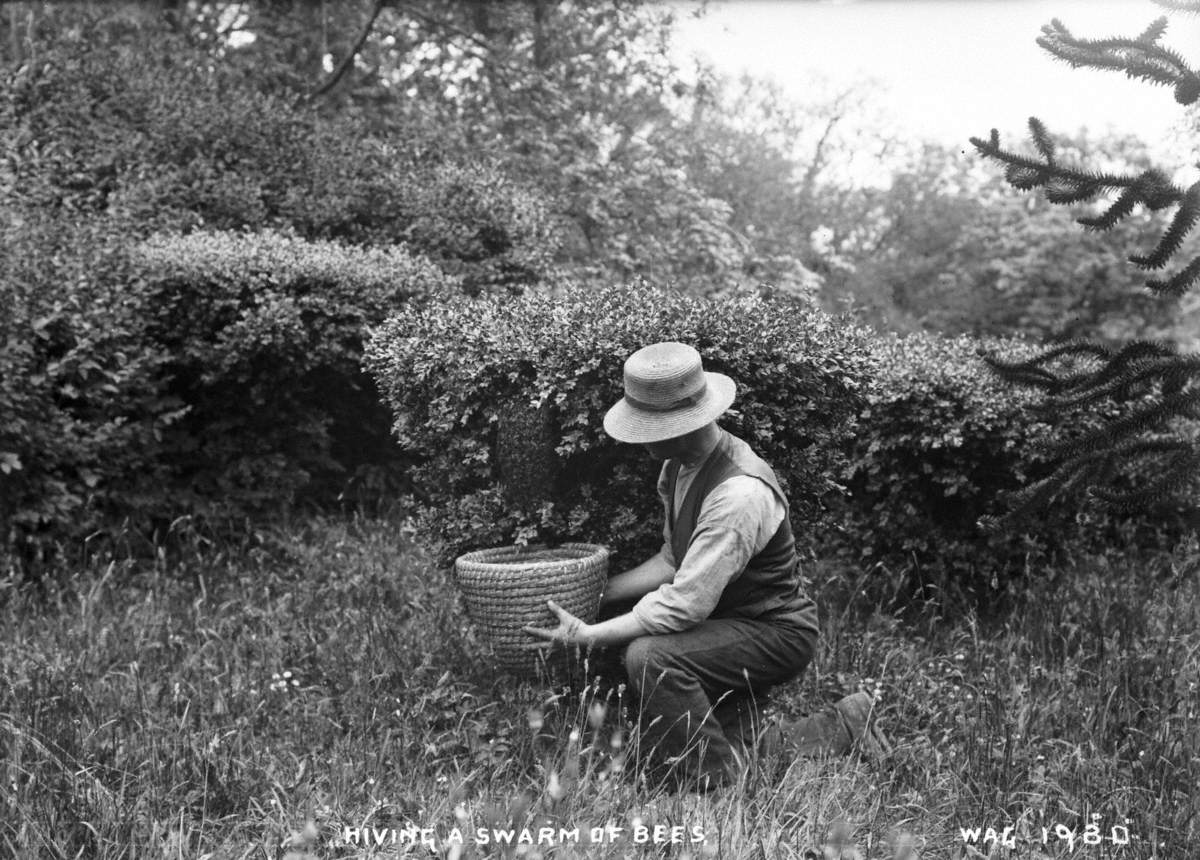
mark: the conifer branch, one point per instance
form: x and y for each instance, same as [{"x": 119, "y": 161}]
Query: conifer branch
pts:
[
  {"x": 1177, "y": 475},
  {"x": 1154, "y": 32},
  {"x": 1116, "y": 389},
  {"x": 1185, "y": 219},
  {"x": 1179, "y": 283},
  {"x": 1152, "y": 188},
  {"x": 1140, "y": 58},
  {"x": 1192, "y": 6},
  {"x": 1121, "y": 208},
  {"x": 1149, "y": 386},
  {"x": 1032, "y": 372},
  {"x": 1138, "y": 421},
  {"x": 1128, "y": 356},
  {"x": 1042, "y": 140}
]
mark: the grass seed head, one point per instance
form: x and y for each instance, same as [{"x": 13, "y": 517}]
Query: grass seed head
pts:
[
  {"x": 596, "y": 714},
  {"x": 554, "y": 787}
]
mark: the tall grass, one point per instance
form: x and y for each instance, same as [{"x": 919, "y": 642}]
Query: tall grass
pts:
[{"x": 260, "y": 701}]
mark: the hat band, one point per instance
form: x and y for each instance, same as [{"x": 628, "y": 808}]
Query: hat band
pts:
[{"x": 670, "y": 406}]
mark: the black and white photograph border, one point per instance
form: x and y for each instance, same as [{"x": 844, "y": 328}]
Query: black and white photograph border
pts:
[{"x": 568, "y": 429}]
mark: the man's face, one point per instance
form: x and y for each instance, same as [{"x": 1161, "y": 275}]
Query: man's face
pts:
[{"x": 665, "y": 449}]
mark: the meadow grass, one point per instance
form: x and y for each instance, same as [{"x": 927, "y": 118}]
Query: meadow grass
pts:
[{"x": 256, "y": 701}]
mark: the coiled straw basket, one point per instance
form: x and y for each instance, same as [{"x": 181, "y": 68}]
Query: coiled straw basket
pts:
[{"x": 507, "y": 588}]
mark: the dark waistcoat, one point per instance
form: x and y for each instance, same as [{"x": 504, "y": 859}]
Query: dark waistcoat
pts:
[{"x": 769, "y": 587}]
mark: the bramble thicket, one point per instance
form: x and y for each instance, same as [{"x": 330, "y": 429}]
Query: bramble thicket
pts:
[{"x": 398, "y": 259}]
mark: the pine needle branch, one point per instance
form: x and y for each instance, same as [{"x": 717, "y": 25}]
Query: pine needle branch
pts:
[
  {"x": 1140, "y": 58},
  {"x": 1131, "y": 354},
  {"x": 1177, "y": 284},
  {"x": 1032, "y": 372},
  {"x": 1137, "y": 422},
  {"x": 1152, "y": 188},
  {"x": 1163, "y": 370},
  {"x": 1183, "y": 222},
  {"x": 1192, "y": 6},
  {"x": 1150, "y": 388},
  {"x": 1041, "y": 140},
  {"x": 1121, "y": 208},
  {"x": 1177, "y": 475}
]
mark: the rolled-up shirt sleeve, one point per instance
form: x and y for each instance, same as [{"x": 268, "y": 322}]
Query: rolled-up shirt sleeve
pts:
[{"x": 738, "y": 518}]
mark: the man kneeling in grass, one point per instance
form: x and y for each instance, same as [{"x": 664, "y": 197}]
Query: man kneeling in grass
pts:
[{"x": 718, "y": 616}]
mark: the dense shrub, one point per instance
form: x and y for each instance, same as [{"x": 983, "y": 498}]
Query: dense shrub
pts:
[
  {"x": 458, "y": 373},
  {"x": 891, "y": 449},
  {"x": 941, "y": 438},
  {"x": 82, "y": 407},
  {"x": 214, "y": 373},
  {"x": 264, "y": 338}
]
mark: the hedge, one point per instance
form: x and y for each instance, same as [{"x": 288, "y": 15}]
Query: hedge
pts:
[
  {"x": 468, "y": 380},
  {"x": 215, "y": 374},
  {"x": 890, "y": 449},
  {"x": 942, "y": 438}
]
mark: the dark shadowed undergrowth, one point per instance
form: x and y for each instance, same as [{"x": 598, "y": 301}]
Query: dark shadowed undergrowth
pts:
[{"x": 257, "y": 702}]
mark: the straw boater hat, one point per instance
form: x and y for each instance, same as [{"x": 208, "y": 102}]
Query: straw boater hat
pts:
[{"x": 667, "y": 394}]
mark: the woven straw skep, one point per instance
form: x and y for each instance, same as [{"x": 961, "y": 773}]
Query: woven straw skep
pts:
[{"x": 506, "y": 588}]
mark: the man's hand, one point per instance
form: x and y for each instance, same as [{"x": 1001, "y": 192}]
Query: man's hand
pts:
[{"x": 570, "y": 630}]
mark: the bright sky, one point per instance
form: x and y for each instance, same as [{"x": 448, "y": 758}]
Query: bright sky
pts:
[{"x": 950, "y": 68}]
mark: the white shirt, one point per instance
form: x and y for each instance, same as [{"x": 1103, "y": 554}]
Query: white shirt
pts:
[{"x": 736, "y": 521}]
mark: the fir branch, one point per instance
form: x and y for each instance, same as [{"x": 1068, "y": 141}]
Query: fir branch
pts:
[
  {"x": 1041, "y": 139},
  {"x": 1136, "y": 422},
  {"x": 1192, "y": 6},
  {"x": 1138, "y": 58},
  {"x": 1152, "y": 188},
  {"x": 1122, "y": 208},
  {"x": 1155, "y": 386},
  {"x": 1134, "y": 351},
  {"x": 1154, "y": 32},
  {"x": 1032, "y": 374},
  {"x": 1029, "y": 499},
  {"x": 1155, "y": 447},
  {"x": 1117, "y": 388},
  {"x": 1177, "y": 474},
  {"x": 1179, "y": 283},
  {"x": 1183, "y": 222},
  {"x": 1180, "y": 373},
  {"x": 1065, "y": 479},
  {"x": 1071, "y": 349},
  {"x": 1062, "y": 190}
]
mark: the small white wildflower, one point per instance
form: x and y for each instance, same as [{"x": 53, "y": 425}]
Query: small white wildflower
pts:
[{"x": 554, "y": 787}]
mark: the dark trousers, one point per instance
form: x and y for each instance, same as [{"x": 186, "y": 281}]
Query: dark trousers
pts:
[{"x": 700, "y": 691}]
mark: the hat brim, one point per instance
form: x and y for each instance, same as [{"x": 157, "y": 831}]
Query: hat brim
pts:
[{"x": 627, "y": 423}]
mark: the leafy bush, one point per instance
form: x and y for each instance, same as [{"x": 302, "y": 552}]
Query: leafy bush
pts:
[
  {"x": 264, "y": 336},
  {"x": 942, "y": 438},
  {"x": 80, "y": 389},
  {"x": 214, "y": 374},
  {"x": 891, "y": 450},
  {"x": 465, "y": 377}
]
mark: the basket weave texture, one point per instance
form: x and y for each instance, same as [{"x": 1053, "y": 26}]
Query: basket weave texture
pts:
[{"x": 507, "y": 588}]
